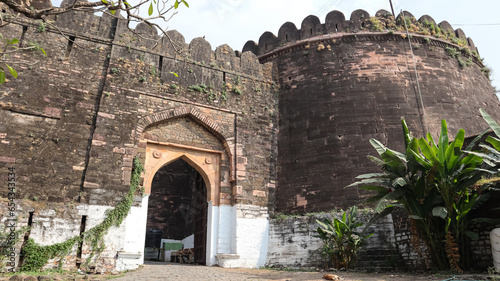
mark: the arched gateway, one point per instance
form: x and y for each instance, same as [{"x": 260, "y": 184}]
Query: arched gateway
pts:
[
  {"x": 189, "y": 135},
  {"x": 234, "y": 231}
]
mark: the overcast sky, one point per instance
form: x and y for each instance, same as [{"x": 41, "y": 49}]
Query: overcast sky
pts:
[{"x": 234, "y": 22}]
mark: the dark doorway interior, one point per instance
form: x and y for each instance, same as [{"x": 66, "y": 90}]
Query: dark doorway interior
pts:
[{"x": 177, "y": 207}]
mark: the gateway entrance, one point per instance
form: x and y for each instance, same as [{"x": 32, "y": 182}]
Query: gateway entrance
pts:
[{"x": 177, "y": 215}]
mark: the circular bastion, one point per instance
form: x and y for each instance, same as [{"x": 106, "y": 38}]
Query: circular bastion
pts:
[{"x": 346, "y": 81}]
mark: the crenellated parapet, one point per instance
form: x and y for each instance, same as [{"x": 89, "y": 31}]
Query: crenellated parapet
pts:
[
  {"x": 145, "y": 42},
  {"x": 360, "y": 24}
]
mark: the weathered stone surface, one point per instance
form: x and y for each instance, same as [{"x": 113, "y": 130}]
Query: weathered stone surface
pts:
[
  {"x": 74, "y": 120},
  {"x": 362, "y": 90},
  {"x": 293, "y": 242}
]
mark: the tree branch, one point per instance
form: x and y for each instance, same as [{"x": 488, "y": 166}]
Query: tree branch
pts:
[{"x": 30, "y": 12}]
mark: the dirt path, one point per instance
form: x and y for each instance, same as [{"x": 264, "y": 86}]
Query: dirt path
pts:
[
  {"x": 173, "y": 271},
  {"x": 181, "y": 272}
]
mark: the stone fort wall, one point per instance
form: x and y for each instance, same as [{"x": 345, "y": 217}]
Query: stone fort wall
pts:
[
  {"x": 75, "y": 114},
  {"x": 73, "y": 121},
  {"x": 345, "y": 81}
]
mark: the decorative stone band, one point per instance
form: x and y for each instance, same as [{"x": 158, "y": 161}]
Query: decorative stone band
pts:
[
  {"x": 356, "y": 37},
  {"x": 212, "y": 125}
]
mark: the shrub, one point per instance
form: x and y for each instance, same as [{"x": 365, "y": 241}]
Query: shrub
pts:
[{"x": 341, "y": 241}]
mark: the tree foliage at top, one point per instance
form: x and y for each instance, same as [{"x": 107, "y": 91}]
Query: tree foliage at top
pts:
[{"x": 129, "y": 10}]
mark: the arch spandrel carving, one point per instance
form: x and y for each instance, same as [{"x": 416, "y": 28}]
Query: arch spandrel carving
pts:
[
  {"x": 210, "y": 124},
  {"x": 186, "y": 133}
]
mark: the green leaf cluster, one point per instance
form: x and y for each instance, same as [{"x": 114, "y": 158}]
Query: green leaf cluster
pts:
[
  {"x": 202, "y": 88},
  {"x": 177, "y": 2},
  {"x": 9, "y": 43},
  {"x": 341, "y": 240},
  {"x": 9, "y": 46},
  {"x": 434, "y": 183}
]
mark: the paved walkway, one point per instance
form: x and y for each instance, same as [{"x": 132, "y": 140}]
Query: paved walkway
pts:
[
  {"x": 175, "y": 271},
  {"x": 181, "y": 272}
]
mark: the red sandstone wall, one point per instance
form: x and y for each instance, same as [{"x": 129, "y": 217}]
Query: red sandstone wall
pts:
[
  {"x": 70, "y": 120},
  {"x": 339, "y": 89}
]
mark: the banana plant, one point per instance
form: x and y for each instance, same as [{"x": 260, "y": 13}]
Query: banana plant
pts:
[
  {"x": 492, "y": 155},
  {"x": 341, "y": 240},
  {"x": 432, "y": 182}
]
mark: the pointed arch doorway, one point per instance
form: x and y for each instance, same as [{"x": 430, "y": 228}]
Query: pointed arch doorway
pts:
[
  {"x": 199, "y": 169},
  {"x": 177, "y": 209}
]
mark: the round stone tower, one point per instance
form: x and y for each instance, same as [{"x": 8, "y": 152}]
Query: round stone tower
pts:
[{"x": 346, "y": 81}]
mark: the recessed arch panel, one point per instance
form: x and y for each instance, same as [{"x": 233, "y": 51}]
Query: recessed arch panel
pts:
[{"x": 206, "y": 162}]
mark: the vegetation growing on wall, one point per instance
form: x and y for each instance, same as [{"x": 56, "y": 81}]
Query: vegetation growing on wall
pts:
[
  {"x": 435, "y": 184},
  {"x": 389, "y": 24},
  {"x": 37, "y": 256}
]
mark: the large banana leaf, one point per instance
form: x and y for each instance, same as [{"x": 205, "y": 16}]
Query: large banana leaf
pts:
[
  {"x": 371, "y": 175},
  {"x": 481, "y": 156},
  {"x": 406, "y": 133},
  {"x": 494, "y": 141},
  {"x": 443, "y": 142},
  {"x": 418, "y": 160},
  {"x": 379, "y": 189},
  {"x": 453, "y": 152},
  {"x": 389, "y": 199},
  {"x": 494, "y": 152},
  {"x": 428, "y": 151},
  {"x": 372, "y": 181},
  {"x": 493, "y": 125},
  {"x": 440, "y": 211}
]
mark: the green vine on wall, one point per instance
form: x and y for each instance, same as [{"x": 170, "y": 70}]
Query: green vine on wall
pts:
[{"x": 37, "y": 256}]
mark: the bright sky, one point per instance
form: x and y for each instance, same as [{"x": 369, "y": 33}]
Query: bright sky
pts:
[{"x": 234, "y": 22}]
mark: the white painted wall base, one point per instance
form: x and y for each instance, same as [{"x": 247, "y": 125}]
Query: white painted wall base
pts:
[
  {"x": 237, "y": 236},
  {"x": 243, "y": 236},
  {"x": 495, "y": 248},
  {"x": 132, "y": 253},
  {"x": 212, "y": 233},
  {"x": 227, "y": 230},
  {"x": 226, "y": 260},
  {"x": 252, "y": 236}
]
